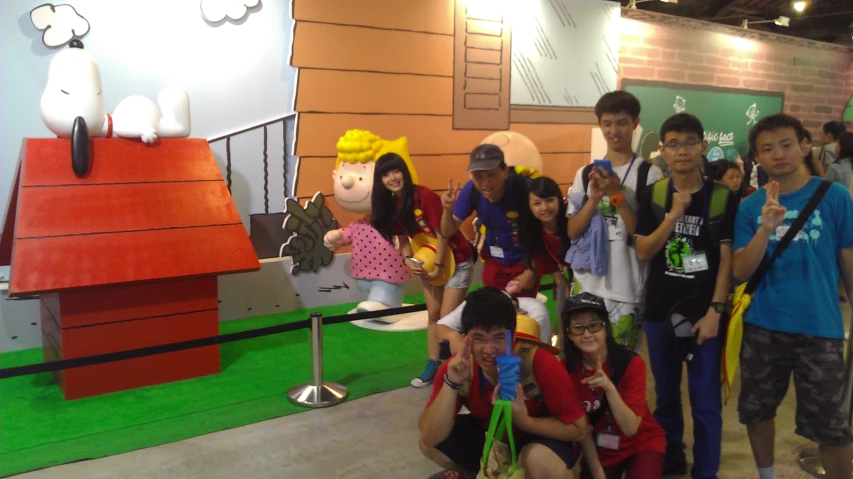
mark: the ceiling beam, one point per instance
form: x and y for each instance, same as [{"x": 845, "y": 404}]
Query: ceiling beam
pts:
[{"x": 722, "y": 6}]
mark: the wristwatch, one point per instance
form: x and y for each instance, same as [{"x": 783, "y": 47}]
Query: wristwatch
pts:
[
  {"x": 615, "y": 200},
  {"x": 718, "y": 307}
]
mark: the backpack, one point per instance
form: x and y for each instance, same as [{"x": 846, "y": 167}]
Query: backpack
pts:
[
  {"x": 716, "y": 210},
  {"x": 604, "y": 408},
  {"x": 642, "y": 179}
]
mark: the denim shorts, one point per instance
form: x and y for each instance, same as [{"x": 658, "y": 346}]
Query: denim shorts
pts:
[{"x": 461, "y": 278}]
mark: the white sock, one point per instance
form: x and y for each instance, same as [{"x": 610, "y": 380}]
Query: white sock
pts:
[{"x": 766, "y": 473}]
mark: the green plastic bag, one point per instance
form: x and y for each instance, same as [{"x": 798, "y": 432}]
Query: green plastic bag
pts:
[{"x": 499, "y": 459}]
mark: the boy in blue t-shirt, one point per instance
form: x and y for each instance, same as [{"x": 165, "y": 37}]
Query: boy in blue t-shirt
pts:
[{"x": 794, "y": 323}]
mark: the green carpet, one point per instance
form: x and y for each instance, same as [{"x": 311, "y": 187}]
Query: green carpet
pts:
[{"x": 39, "y": 428}]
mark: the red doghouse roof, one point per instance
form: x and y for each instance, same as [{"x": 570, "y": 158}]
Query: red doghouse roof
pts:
[{"x": 142, "y": 213}]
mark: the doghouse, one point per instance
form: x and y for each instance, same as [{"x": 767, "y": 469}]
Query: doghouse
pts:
[{"x": 125, "y": 257}]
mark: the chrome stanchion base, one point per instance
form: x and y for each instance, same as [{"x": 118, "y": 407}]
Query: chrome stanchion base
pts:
[
  {"x": 809, "y": 461},
  {"x": 325, "y": 395}
]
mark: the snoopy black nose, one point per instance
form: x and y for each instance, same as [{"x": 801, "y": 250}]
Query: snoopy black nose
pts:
[
  {"x": 76, "y": 44},
  {"x": 80, "y": 147}
]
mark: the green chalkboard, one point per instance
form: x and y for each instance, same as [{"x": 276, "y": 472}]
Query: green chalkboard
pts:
[{"x": 727, "y": 114}]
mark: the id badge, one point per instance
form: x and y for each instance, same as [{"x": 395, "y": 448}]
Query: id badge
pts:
[
  {"x": 695, "y": 262},
  {"x": 496, "y": 251},
  {"x": 781, "y": 231},
  {"x": 607, "y": 441},
  {"x": 614, "y": 232}
]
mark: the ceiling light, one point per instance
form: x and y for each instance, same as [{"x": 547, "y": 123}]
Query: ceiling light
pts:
[
  {"x": 782, "y": 21},
  {"x": 799, "y": 6}
]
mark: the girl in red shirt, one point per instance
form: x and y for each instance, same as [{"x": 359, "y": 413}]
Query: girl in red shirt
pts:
[
  {"x": 401, "y": 210},
  {"x": 545, "y": 238},
  {"x": 612, "y": 381}
]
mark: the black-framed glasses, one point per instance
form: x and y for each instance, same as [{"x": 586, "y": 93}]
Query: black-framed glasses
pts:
[
  {"x": 676, "y": 146},
  {"x": 593, "y": 327}
]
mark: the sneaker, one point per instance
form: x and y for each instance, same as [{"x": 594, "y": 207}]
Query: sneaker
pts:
[
  {"x": 675, "y": 467},
  {"x": 428, "y": 376}
]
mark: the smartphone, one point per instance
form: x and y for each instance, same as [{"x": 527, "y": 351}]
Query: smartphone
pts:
[
  {"x": 604, "y": 165},
  {"x": 415, "y": 262}
]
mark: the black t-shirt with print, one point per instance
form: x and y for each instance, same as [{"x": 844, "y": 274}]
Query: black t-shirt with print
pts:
[{"x": 668, "y": 282}]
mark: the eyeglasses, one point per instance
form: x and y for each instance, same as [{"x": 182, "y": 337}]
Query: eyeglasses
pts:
[
  {"x": 578, "y": 329},
  {"x": 675, "y": 146}
]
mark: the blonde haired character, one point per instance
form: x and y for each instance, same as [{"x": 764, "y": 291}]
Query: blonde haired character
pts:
[{"x": 377, "y": 266}]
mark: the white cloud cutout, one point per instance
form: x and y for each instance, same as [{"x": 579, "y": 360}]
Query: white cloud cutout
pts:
[
  {"x": 61, "y": 23},
  {"x": 216, "y": 10}
]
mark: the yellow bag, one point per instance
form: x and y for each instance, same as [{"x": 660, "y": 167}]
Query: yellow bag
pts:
[{"x": 734, "y": 336}]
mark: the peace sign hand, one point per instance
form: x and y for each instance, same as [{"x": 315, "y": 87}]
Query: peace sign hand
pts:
[
  {"x": 449, "y": 197},
  {"x": 599, "y": 379},
  {"x": 772, "y": 213},
  {"x": 459, "y": 367}
]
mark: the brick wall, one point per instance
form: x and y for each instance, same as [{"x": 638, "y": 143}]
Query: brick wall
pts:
[{"x": 817, "y": 78}]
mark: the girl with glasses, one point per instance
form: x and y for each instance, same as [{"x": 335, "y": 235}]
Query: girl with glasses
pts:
[{"x": 611, "y": 378}]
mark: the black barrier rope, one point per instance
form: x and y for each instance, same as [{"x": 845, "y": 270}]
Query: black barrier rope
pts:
[{"x": 198, "y": 343}]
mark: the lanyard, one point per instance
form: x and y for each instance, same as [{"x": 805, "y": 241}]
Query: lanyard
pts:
[
  {"x": 630, "y": 165},
  {"x": 707, "y": 196},
  {"x": 583, "y": 375}
]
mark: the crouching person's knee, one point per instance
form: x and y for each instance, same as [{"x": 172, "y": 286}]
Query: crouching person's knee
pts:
[{"x": 541, "y": 462}]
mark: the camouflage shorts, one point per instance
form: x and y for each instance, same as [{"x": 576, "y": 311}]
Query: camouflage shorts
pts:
[{"x": 767, "y": 360}]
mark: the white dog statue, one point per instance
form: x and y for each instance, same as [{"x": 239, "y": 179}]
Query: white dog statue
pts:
[{"x": 74, "y": 90}]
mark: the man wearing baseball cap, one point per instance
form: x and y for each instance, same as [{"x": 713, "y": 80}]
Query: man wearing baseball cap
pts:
[{"x": 499, "y": 198}]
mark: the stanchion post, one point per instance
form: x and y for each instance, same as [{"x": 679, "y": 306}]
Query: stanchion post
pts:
[{"x": 317, "y": 393}]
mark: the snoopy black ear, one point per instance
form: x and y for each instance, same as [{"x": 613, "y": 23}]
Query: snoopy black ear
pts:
[
  {"x": 80, "y": 147},
  {"x": 76, "y": 44}
]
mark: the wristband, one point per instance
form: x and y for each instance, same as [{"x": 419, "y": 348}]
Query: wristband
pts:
[
  {"x": 454, "y": 386},
  {"x": 439, "y": 265},
  {"x": 616, "y": 200}
]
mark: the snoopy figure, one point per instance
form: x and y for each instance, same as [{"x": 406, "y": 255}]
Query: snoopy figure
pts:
[{"x": 72, "y": 107}]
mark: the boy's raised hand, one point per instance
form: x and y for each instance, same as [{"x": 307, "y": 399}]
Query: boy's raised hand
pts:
[
  {"x": 448, "y": 199},
  {"x": 680, "y": 203},
  {"x": 772, "y": 213},
  {"x": 459, "y": 367}
]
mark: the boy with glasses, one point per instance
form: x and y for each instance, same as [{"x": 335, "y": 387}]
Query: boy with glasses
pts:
[
  {"x": 546, "y": 425},
  {"x": 684, "y": 230}
]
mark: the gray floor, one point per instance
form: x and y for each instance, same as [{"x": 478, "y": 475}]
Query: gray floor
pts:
[{"x": 368, "y": 438}]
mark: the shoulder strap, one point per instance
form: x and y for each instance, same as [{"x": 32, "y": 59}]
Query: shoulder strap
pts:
[
  {"x": 526, "y": 351},
  {"x": 585, "y": 180},
  {"x": 719, "y": 198},
  {"x": 789, "y": 236},
  {"x": 659, "y": 198},
  {"x": 619, "y": 372},
  {"x": 642, "y": 176},
  {"x": 474, "y": 197},
  {"x": 717, "y": 211}
]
